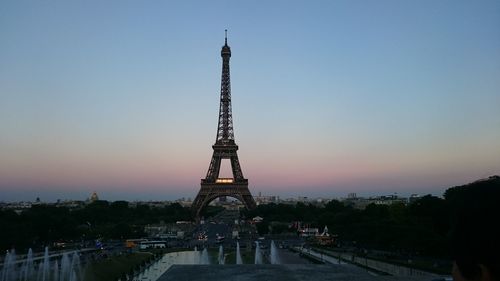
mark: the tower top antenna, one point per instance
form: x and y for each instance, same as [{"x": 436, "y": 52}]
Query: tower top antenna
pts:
[{"x": 225, "y": 36}]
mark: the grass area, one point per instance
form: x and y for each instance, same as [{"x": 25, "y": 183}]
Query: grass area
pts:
[{"x": 115, "y": 267}]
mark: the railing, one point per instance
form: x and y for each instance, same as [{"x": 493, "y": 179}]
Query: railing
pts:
[{"x": 338, "y": 257}]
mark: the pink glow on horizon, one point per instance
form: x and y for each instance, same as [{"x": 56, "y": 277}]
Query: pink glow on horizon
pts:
[{"x": 155, "y": 164}]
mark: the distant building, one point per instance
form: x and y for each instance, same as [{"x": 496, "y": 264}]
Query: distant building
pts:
[
  {"x": 261, "y": 200},
  {"x": 17, "y": 207},
  {"x": 93, "y": 197},
  {"x": 184, "y": 202},
  {"x": 229, "y": 204},
  {"x": 303, "y": 199},
  {"x": 361, "y": 203},
  {"x": 388, "y": 200},
  {"x": 413, "y": 198},
  {"x": 70, "y": 204},
  {"x": 168, "y": 230}
]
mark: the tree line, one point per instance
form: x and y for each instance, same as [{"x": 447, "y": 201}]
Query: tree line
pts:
[
  {"x": 423, "y": 227},
  {"x": 42, "y": 225}
]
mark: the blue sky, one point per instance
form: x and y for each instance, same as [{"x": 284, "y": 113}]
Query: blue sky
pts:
[{"x": 329, "y": 97}]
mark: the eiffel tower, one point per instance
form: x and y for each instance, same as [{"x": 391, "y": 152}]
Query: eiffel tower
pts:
[{"x": 212, "y": 186}]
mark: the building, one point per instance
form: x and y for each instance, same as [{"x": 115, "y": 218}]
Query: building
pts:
[
  {"x": 93, "y": 197},
  {"x": 260, "y": 200}
]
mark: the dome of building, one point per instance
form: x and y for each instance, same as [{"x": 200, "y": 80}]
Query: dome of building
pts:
[{"x": 94, "y": 197}]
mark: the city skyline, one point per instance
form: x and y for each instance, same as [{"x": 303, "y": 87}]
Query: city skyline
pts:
[{"x": 329, "y": 98}]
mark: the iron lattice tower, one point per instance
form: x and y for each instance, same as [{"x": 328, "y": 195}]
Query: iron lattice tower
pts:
[{"x": 212, "y": 186}]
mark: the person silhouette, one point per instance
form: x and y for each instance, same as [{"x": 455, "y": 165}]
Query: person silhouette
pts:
[{"x": 475, "y": 239}]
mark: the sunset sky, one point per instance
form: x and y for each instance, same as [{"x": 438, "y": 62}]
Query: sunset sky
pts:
[{"x": 329, "y": 97}]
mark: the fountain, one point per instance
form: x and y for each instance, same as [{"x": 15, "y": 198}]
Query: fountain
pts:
[
  {"x": 258, "y": 255},
  {"x": 274, "y": 254},
  {"x": 196, "y": 256},
  {"x": 154, "y": 270},
  {"x": 221, "y": 255},
  {"x": 26, "y": 270},
  {"x": 204, "y": 257},
  {"x": 56, "y": 271},
  {"x": 73, "y": 277},
  {"x": 39, "y": 272},
  {"x": 76, "y": 266},
  {"x": 45, "y": 266},
  {"x": 65, "y": 264},
  {"x": 9, "y": 267},
  {"x": 238, "y": 254}
]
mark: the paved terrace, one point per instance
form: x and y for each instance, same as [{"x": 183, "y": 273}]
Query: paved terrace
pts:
[{"x": 282, "y": 272}]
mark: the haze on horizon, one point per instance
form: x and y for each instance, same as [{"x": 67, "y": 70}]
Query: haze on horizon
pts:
[{"x": 329, "y": 97}]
